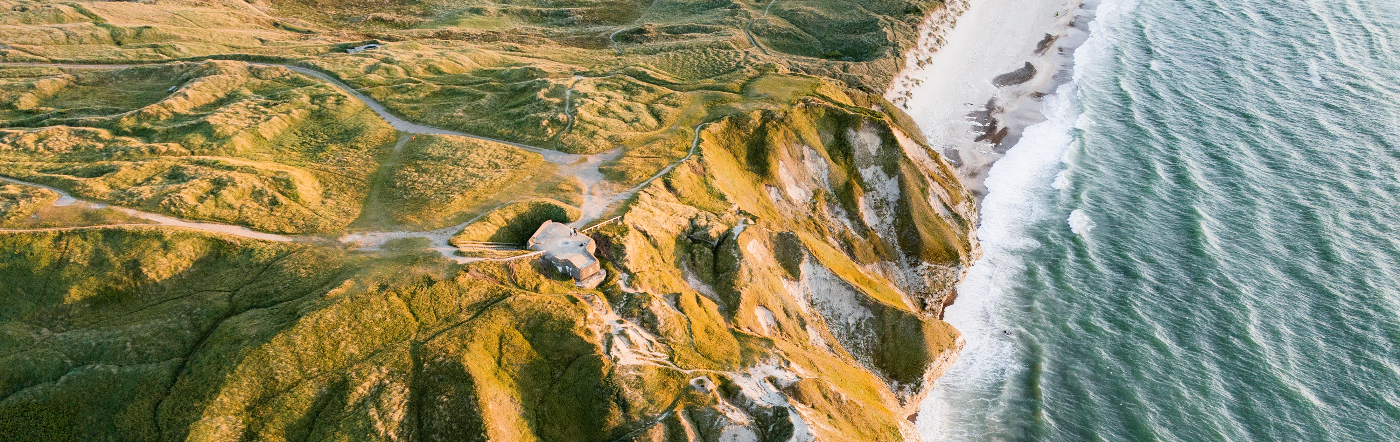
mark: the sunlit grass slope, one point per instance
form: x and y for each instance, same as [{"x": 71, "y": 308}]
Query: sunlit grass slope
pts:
[
  {"x": 220, "y": 141},
  {"x": 795, "y": 265}
]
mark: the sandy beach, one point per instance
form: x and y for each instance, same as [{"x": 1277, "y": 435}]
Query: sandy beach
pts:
[{"x": 972, "y": 88}]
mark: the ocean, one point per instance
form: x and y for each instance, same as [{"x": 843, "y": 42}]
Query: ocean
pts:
[{"x": 1200, "y": 243}]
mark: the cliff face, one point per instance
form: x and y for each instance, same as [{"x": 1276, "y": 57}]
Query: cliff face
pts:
[
  {"x": 821, "y": 234},
  {"x": 784, "y": 281}
]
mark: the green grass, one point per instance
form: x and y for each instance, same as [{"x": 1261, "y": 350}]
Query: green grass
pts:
[
  {"x": 152, "y": 333},
  {"x": 199, "y": 342},
  {"x": 437, "y": 179},
  {"x": 648, "y": 157},
  {"x": 109, "y": 90},
  {"x": 495, "y": 349},
  {"x": 119, "y": 31},
  {"x": 18, "y": 202},
  {"x": 261, "y": 147},
  {"x": 784, "y": 89},
  {"x": 692, "y": 188}
]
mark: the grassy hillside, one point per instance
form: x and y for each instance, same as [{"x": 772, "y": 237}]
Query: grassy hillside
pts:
[
  {"x": 220, "y": 141},
  {"x": 515, "y": 222},
  {"x": 434, "y": 181},
  {"x": 781, "y": 278}
]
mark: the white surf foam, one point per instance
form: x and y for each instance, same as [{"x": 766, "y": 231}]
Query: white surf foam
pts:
[
  {"x": 1014, "y": 202},
  {"x": 963, "y": 405},
  {"x": 1080, "y": 223}
]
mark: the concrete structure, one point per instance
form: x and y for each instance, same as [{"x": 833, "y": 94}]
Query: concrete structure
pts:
[
  {"x": 569, "y": 251},
  {"x": 358, "y": 49},
  {"x": 702, "y": 384}
]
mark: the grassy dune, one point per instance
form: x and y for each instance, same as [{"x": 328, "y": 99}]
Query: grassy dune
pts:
[
  {"x": 18, "y": 202},
  {"x": 514, "y": 223},
  {"x": 220, "y": 141},
  {"x": 803, "y": 253},
  {"x": 500, "y": 68},
  {"x": 439, "y": 180},
  {"x": 131, "y": 31},
  {"x": 156, "y": 335}
]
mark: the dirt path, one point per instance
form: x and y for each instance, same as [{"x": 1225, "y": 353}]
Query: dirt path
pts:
[
  {"x": 586, "y": 168},
  {"x": 748, "y": 25},
  {"x": 370, "y": 213},
  {"x": 66, "y": 229},
  {"x": 624, "y": 28},
  {"x": 64, "y": 198},
  {"x": 378, "y": 108},
  {"x": 593, "y": 210},
  {"x": 402, "y": 125}
]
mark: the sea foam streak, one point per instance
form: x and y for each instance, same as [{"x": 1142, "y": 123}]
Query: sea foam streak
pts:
[
  {"x": 962, "y": 405},
  {"x": 1015, "y": 187},
  {"x": 1080, "y": 223}
]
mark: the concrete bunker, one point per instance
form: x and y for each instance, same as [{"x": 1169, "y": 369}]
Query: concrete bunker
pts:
[
  {"x": 569, "y": 251},
  {"x": 359, "y": 49}
]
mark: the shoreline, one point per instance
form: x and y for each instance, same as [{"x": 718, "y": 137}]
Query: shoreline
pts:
[
  {"x": 1017, "y": 105},
  {"x": 949, "y": 70},
  {"x": 974, "y": 80}
]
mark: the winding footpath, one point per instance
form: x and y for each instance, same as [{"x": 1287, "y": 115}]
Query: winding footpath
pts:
[
  {"x": 749, "y": 25},
  {"x": 624, "y": 28},
  {"x": 585, "y": 168},
  {"x": 65, "y": 199}
]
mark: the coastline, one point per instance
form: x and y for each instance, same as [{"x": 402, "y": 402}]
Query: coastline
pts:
[
  {"x": 1005, "y": 55},
  {"x": 1044, "y": 109},
  {"x": 974, "y": 80}
]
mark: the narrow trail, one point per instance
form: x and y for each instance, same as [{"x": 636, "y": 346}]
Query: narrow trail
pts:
[
  {"x": 624, "y": 28},
  {"x": 596, "y": 202},
  {"x": 68, "y": 229},
  {"x": 65, "y": 199},
  {"x": 585, "y": 168},
  {"x": 670, "y": 409},
  {"x": 402, "y": 125},
  {"x": 376, "y": 184},
  {"x": 749, "y": 25},
  {"x": 568, "y": 108},
  {"x": 694, "y": 144},
  {"x": 614, "y": 42}
]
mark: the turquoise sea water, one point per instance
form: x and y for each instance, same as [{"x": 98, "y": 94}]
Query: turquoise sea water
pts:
[{"x": 1203, "y": 241}]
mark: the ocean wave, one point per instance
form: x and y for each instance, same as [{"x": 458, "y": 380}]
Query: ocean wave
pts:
[
  {"x": 1020, "y": 194},
  {"x": 1080, "y": 223}
]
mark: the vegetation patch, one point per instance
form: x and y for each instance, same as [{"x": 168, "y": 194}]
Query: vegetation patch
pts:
[
  {"x": 257, "y": 146},
  {"x": 147, "y": 332},
  {"x": 439, "y": 178},
  {"x": 18, "y": 202},
  {"x": 515, "y": 222}
]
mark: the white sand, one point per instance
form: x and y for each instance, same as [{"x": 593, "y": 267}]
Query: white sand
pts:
[{"x": 941, "y": 86}]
